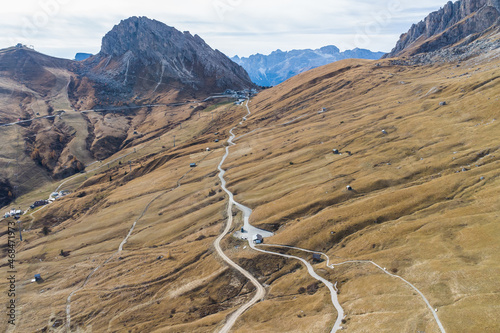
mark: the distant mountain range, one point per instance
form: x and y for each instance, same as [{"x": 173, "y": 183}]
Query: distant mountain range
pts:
[
  {"x": 82, "y": 56},
  {"x": 279, "y": 66}
]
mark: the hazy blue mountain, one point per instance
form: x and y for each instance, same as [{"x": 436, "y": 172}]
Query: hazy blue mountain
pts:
[
  {"x": 272, "y": 69},
  {"x": 82, "y": 56}
]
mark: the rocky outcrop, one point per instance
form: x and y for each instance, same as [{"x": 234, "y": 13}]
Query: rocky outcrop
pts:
[
  {"x": 449, "y": 25},
  {"x": 481, "y": 47},
  {"x": 279, "y": 66},
  {"x": 142, "y": 61},
  {"x": 141, "y": 56}
]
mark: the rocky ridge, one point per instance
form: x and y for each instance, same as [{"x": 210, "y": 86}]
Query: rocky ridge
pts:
[
  {"x": 486, "y": 46},
  {"x": 462, "y": 21}
]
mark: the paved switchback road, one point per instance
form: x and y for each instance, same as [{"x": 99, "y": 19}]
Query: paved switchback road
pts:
[
  {"x": 250, "y": 232},
  {"x": 261, "y": 292}
]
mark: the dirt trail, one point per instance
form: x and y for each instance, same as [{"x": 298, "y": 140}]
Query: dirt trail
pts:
[
  {"x": 332, "y": 266},
  {"x": 120, "y": 247}
]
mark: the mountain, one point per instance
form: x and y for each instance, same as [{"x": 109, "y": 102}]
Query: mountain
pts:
[
  {"x": 82, "y": 56},
  {"x": 383, "y": 177},
  {"x": 141, "y": 62},
  {"x": 456, "y": 24},
  {"x": 279, "y": 66},
  {"x": 34, "y": 85},
  {"x": 140, "y": 56},
  {"x": 35, "y": 72},
  {"x": 423, "y": 204}
]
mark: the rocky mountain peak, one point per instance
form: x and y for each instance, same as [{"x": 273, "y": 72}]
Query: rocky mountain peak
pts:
[
  {"x": 330, "y": 49},
  {"x": 137, "y": 34},
  {"x": 448, "y": 26},
  {"x": 139, "y": 47}
]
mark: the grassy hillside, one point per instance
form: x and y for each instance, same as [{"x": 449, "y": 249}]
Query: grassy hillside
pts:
[
  {"x": 423, "y": 193},
  {"x": 424, "y": 177}
]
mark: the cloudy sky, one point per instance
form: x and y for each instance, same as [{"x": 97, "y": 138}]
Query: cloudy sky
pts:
[{"x": 236, "y": 27}]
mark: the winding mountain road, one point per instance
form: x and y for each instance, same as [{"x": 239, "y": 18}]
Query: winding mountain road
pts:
[
  {"x": 60, "y": 113},
  {"x": 328, "y": 284},
  {"x": 332, "y": 266},
  {"x": 251, "y": 231},
  {"x": 261, "y": 292}
]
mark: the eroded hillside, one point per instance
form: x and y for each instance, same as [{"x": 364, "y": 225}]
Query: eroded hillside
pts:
[{"x": 58, "y": 116}]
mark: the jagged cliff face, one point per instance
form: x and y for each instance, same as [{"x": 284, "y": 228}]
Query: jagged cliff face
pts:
[
  {"x": 466, "y": 19},
  {"x": 143, "y": 56}
]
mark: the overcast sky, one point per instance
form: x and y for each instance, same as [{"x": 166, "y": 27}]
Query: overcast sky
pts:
[{"x": 236, "y": 27}]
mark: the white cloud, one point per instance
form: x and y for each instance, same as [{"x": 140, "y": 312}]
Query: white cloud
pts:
[{"x": 243, "y": 27}]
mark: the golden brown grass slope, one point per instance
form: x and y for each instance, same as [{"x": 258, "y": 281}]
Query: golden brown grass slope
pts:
[
  {"x": 167, "y": 277},
  {"x": 424, "y": 205},
  {"x": 423, "y": 202}
]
